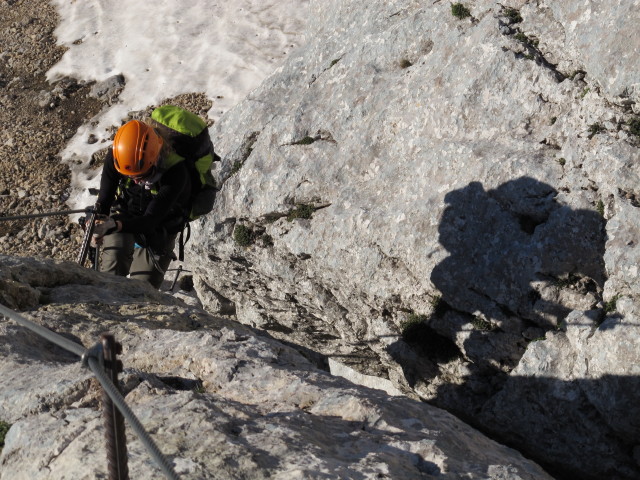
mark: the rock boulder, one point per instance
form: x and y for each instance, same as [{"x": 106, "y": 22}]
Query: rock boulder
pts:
[{"x": 419, "y": 196}]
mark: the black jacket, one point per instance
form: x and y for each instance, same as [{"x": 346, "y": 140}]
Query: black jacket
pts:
[{"x": 140, "y": 210}]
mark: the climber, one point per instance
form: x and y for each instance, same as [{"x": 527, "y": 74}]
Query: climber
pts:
[{"x": 144, "y": 196}]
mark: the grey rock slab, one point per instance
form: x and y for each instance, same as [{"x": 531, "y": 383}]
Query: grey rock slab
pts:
[{"x": 219, "y": 400}]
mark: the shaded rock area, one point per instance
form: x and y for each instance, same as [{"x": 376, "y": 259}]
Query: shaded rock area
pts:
[
  {"x": 439, "y": 202},
  {"x": 581, "y": 389},
  {"x": 220, "y": 400}
]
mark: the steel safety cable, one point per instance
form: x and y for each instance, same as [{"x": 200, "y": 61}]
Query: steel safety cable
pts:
[
  {"x": 127, "y": 413},
  {"x": 44, "y": 214},
  {"x": 90, "y": 358},
  {"x": 59, "y": 340}
]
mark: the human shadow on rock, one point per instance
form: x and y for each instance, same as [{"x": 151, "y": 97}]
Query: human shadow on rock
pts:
[
  {"x": 519, "y": 262},
  {"x": 513, "y": 249}
]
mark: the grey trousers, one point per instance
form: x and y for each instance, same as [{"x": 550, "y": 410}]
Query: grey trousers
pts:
[{"x": 120, "y": 256}]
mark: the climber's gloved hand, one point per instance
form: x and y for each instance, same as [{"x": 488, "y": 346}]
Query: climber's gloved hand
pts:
[{"x": 103, "y": 226}]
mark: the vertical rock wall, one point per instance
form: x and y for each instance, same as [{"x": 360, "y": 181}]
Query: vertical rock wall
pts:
[{"x": 428, "y": 198}]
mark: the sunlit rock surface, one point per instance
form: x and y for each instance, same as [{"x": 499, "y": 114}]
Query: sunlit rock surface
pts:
[{"x": 419, "y": 197}]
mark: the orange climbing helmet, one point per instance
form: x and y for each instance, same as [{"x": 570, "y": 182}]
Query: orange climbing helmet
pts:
[{"x": 136, "y": 148}]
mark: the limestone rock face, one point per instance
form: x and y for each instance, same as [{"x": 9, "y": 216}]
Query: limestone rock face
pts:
[
  {"x": 587, "y": 380},
  {"x": 219, "y": 400},
  {"x": 419, "y": 197}
]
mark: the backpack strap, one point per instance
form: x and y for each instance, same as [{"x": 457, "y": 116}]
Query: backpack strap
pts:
[{"x": 182, "y": 241}]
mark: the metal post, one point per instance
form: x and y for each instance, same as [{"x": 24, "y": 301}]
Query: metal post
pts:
[
  {"x": 96, "y": 258},
  {"x": 113, "y": 419},
  {"x": 175, "y": 280}
]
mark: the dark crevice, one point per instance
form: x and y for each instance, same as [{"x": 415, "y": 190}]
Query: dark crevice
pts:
[
  {"x": 428, "y": 343},
  {"x": 315, "y": 77},
  {"x": 528, "y": 223},
  {"x": 307, "y": 139},
  {"x": 273, "y": 326},
  {"x": 182, "y": 384},
  {"x": 242, "y": 153},
  {"x": 241, "y": 260},
  {"x": 631, "y": 196},
  {"x": 506, "y": 311}
]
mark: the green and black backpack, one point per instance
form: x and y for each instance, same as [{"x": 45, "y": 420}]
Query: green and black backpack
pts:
[{"x": 189, "y": 136}]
